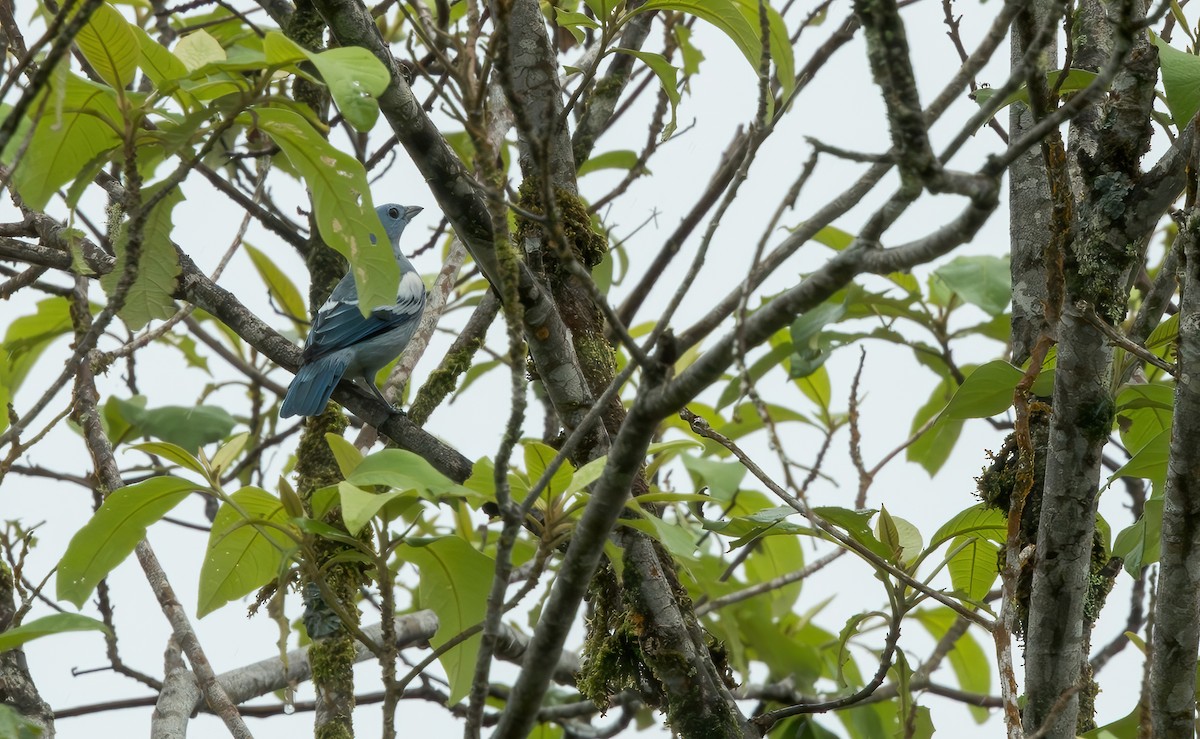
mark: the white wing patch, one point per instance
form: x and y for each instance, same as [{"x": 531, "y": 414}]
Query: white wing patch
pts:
[{"x": 411, "y": 289}]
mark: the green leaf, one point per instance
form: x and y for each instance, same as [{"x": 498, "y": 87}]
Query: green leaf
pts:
[
  {"x": 974, "y": 567},
  {"x": 538, "y": 457},
  {"x": 1143, "y": 413},
  {"x": 404, "y": 470},
  {"x": 668, "y": 77},
  {"x": 774, "y": 358},
  {"x": 55, "y": 623},
  {"x": 347, "y": 456},
  {"x": 190, "y": 427},
  {"x": 978, "y": 520},
  {"x": 455, "y": 581},
  {"x": 281, "y": 288},
  {"x": 150, "y": 295},
  {"x": 279, "y": 50},
  {"x": 746, "y": 420},
  {"x": 815, "y": 385},
  {"x": 1181, "y": 81},
  {"x": 77, "y": 126},
  {"x": 1076, "y": 80},
  {"x": 354, "y": 76},
  {"x": 901, "y": 535},
  {"x": 162, "y": 67},
  {"x": 849, "y": 630},
  {"x": 198, "y": 49},
  {"x": 968, "y": 660},
  {"x": 1150, "y": 462},
  {"x": 677, "y": 539},
  {"x": 721, "y": 478},
  {"x": 573, "y": 21},
  {"x": 113, "y": 532},
  {"x": 1138, "y": 545},
  {"x": 360, "y": 506},
  {"x": 738, "y": 19},
  {"x": 663, "y": 452},
  {"x": 984, "y": 281},
  {"x": 242, "y": 555},
  {"x": 620, "y": 159},
  {"x": 228, "y": 452},
  {"x": 188, "y": 348},
  {"x": 772, "y": 557},
  {"x": 344, "y": 212},
  {"x": 857, "y": 525},
  {"x": 110, "y": 46},
  {"x": 687, "y": 50},
  {"x": 1123, "y": 728},
  {"x": 174, "y": 453},
  {"x": 355, "y": 79},
  {"x": 16, "y": 726},
  {"x": 1162, "y": 339},
  {"x": 839, "y": 240},
  {"x": 18, "y": 137},
  {"x": 985, "y": 392},
  {"x": 602, "y": 9},
  {"x": 24, "y": 341},
  {"x": 809, "y": 352},
  {"x": 888, "y": 535},
  {"x": 933, "y": 448}
]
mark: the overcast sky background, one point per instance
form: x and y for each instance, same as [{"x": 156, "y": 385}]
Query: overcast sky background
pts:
[{"x": 841, "y": 107}]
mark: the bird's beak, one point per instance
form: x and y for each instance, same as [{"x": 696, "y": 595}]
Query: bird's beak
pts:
[{"x": 411, "y": 211}]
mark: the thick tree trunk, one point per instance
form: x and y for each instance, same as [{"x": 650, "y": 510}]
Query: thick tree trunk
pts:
[
  {"x": 1177, "y": 609},
  {"x": 1029, "y": 206}
]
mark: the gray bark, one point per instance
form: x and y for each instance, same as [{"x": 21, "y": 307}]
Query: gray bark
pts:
[
  {"x": 1054, "y": 645},
  {"x": 1029, "y": 208},
  {"x": 1177, "y": 610},
  {"x": 1107, "y": 141}
]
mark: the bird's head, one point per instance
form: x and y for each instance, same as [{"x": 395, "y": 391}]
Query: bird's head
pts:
[{"x": 395, "y": 218}]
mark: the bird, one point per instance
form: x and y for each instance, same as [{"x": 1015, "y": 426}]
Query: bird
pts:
[{"x": 343, "y": 343}]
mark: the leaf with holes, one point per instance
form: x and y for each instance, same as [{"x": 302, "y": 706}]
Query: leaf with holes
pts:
[{"x": 344, "y": 212}]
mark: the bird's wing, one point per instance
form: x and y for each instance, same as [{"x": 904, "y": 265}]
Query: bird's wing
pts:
[{"x": 340, "y": 325}]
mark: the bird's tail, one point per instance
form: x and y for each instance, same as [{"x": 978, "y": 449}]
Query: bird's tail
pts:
[{"x": 314, "y": 383}]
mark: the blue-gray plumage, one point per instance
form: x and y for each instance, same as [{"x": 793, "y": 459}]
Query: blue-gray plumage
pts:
[{"x": 345, "y": 344}]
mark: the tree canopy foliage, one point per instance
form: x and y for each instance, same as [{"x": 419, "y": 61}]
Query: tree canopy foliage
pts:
[{"x": 665, "y": 471}]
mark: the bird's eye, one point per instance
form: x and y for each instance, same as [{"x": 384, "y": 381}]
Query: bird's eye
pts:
[{"x": 393, "y": 212}]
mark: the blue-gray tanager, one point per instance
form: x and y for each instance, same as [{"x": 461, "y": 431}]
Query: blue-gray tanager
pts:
[{"x": 345, "y": 344}]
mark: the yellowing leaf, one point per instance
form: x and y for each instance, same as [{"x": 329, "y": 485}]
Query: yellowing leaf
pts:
[{"x": 198, "y": 49}]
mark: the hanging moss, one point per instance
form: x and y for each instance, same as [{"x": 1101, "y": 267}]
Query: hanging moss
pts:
[
  {"x": 316, "y": 466},
  {"x": 996, "y": 485},
  {"x": 328, "y": 659},
  {"x": 612, "y": 655},
  {"x": 588, "y": 246}
]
